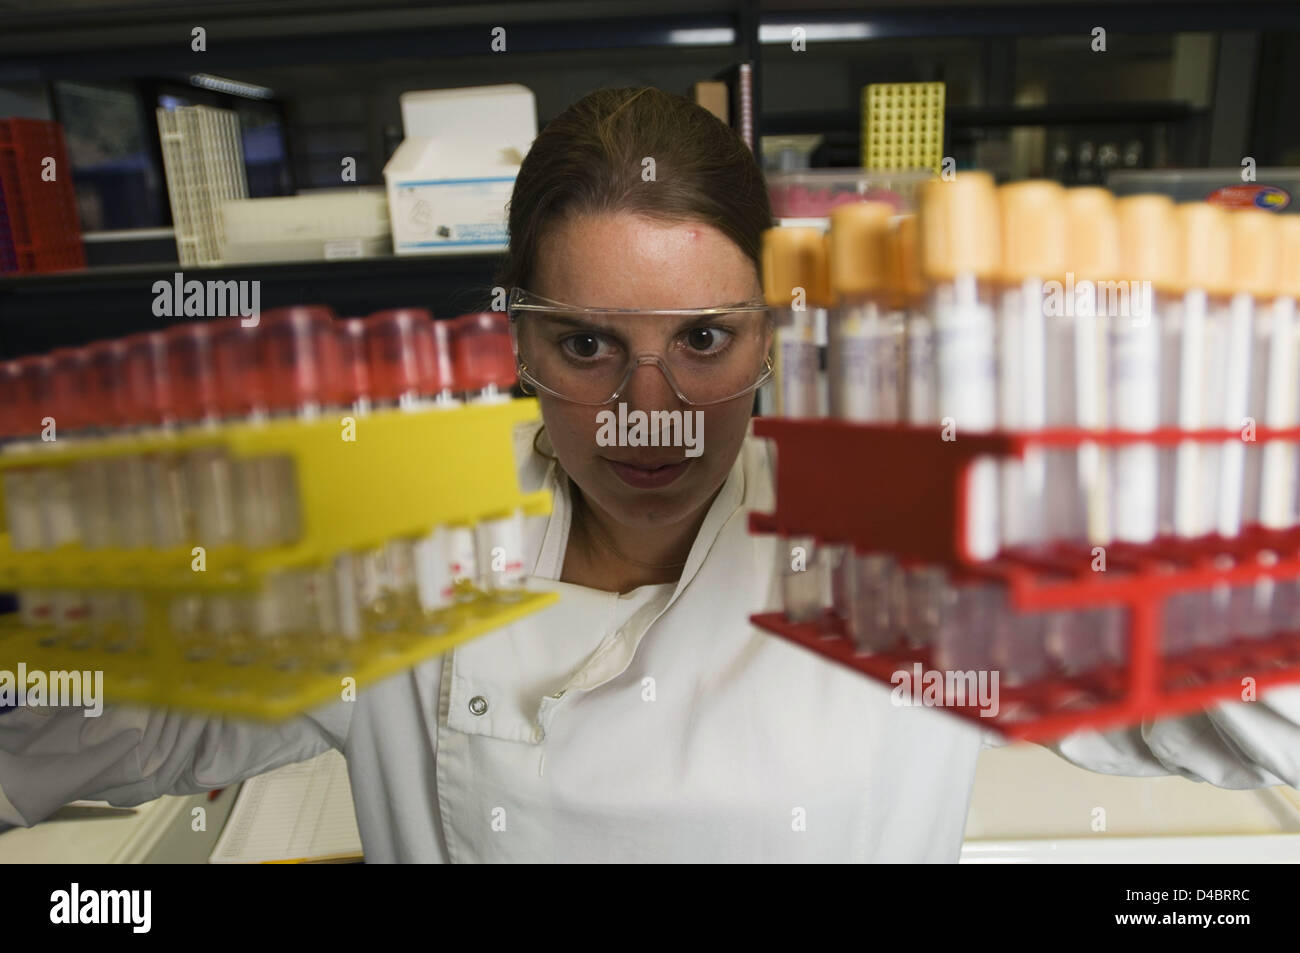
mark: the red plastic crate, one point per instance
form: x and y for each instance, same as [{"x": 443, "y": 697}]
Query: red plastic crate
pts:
[
  {"x": 916, "y": 483},
  {"x": 39, "y": 227}
]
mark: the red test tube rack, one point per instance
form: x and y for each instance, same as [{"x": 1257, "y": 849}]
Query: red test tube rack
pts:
[{"x": 902, "y": 490}]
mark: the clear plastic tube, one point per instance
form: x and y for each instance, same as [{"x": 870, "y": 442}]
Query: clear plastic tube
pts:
[
  {"x": 805, "y": 580},
  {"x": 795, "y": 284},
  {"x": 966, "y": 398},
  {"x": 1020, "y": 642},
  {"x": 484, "y": 368},
  {"x": 960, "y": 256},
  {"x": 865, "y": 336}
]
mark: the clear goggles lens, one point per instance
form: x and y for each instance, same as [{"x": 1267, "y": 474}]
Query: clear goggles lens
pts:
[{"x": 588, "y": 355}]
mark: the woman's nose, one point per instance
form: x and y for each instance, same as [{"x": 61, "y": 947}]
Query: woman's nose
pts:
[{"x": 649, "y": 388}]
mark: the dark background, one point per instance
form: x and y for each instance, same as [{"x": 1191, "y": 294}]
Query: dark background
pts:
[{"x": 1180, "y": 85}]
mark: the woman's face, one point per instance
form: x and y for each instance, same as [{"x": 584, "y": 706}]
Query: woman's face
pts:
[{"x": 621, "y": 260}]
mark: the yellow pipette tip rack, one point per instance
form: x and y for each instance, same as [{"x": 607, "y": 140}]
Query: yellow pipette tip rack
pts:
[
  {"x": 402, "y": 475},
  {"x": 902, "y": 126}
]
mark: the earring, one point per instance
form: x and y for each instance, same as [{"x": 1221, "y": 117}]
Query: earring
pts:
[{"x": 540, "y": 452}]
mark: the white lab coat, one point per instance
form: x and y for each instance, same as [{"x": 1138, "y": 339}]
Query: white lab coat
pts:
[{"x": 653, "y": 726}]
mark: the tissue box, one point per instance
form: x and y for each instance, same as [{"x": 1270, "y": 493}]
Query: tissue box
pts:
[{"x": 450, "y": 179}]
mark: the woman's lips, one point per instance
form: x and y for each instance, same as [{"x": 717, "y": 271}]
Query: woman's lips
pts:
[{"x": 646, "y": 477}]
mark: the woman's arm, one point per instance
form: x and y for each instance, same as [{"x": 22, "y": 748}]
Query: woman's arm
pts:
[
  {"x": 126, "y": 756},
  {"x": 1231, "y": 745}
]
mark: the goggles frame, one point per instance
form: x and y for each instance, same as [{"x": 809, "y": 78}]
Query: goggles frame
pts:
[{"x": 525, "y": 302}]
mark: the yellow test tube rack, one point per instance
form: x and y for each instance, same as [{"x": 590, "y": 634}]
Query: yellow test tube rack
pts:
[
  {"x": 403, "y": 474},
  {"x": 902, "y": 126}
]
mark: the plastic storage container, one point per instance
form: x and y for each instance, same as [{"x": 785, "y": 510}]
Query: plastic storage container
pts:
[
  {"x": 813, "y": 193},
  {"x": 351, "y": 223}
]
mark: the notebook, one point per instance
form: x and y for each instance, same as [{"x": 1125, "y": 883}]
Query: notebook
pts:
[{"x": 300, "y": 813}]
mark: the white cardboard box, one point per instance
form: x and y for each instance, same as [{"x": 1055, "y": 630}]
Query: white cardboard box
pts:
[{"x": 450, "y": 179}]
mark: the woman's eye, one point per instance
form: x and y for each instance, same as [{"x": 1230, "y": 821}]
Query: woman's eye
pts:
[
  {"x": 705, "y": 339},
  {"x": 582, "y": 345}
]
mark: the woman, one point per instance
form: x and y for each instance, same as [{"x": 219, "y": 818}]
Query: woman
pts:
[{"x": 640, "y": 718}]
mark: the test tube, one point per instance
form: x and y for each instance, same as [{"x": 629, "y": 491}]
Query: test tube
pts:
[
  {"x": 438, "y": 565},
  {"x": 125, "y": 507},
  {"x": 355, "y": 364},
  {"x": 1190, "y": 394},
  {"x": 865, "y": 333},
  {"x": 150, "y": 399},
  {"x": 209, "y": 474},
  {"x": 924, "y": 596},
  {"x": 484, "y": 363},
  {"x": 1132, "y": 330},
  {"x": 356, "y": 395},
  {"x": 1033, "y": 253},
  {"x": 299, "y": 357},
  {"x": 387, "y": 575},
  {"x": 1228, "y": 345},
  {"x": 81, "y": 416},
  {"x": 1286, "y": 470},
  {"x": 1147, "y": 261},
  {"x": 30, "y": 382},
  {"x": 959, "y": 231},
  {"x": 795, "y": 282},
  {"x": 1262, "y": 386},
  {"x": 241, "y": 395}
]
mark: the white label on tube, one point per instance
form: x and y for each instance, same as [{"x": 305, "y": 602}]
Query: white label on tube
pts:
[
  {"x": 965, "y": 362},
  {"x": 1022, "y": 405},
  {"x": 870, "y": 356},
  {"x": 1278, "y": 480},
  {"x": 1188, "y": 489},
  {"x": 1236, "y": 404},
  {"x": 432, "y": 571},
  {"x": 921, "y": 409},
  {"x": 502, "y": 552},
  {"x": 796, "y": 366},
  {"x": 22, "y": 510},
  {"x": 1134, "y": 404},
  {"x": 60, "y": 514},
  {"x": 36, "y": 607},
  {"x": 370, "y": 572},
  {"x": 461, "y": 557}
]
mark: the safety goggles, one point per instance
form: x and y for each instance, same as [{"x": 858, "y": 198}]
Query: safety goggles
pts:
[{"x": 588, "y": 355}]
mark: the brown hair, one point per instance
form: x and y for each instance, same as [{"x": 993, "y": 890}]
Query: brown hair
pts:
[{"x": 588, "y": 160}]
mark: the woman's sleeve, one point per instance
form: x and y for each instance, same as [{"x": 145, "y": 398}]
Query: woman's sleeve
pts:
[
  {"x": 129, "y": 755},
  {"x": 1231, "y": 744}
]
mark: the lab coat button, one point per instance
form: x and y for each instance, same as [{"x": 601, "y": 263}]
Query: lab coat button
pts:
[
  {"x": 538, "y": 733},
  {"x": 478, "y": 704},
  {"x": 559, "y": 694}
]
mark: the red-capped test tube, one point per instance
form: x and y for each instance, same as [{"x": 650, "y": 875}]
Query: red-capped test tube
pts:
[
  {"x": 111, "y": 515},
  {"x": 354, "y": 362},
  {"x": 78, "y": 489},
  {"x": 29, "y": 382},
  {"x": 151, "y": 407},
  {"x": 191, "y": 360},
  {"x": 299, "y": 356},
  {"x": 485, "y": 373},
  {"x": 240, "y": 397},
  {"x": 400, "y": 358}
]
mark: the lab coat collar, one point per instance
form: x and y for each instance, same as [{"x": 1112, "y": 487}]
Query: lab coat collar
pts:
[
  {"x": 521, "y": 709},
  {"x": 548, "y": 562}
]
